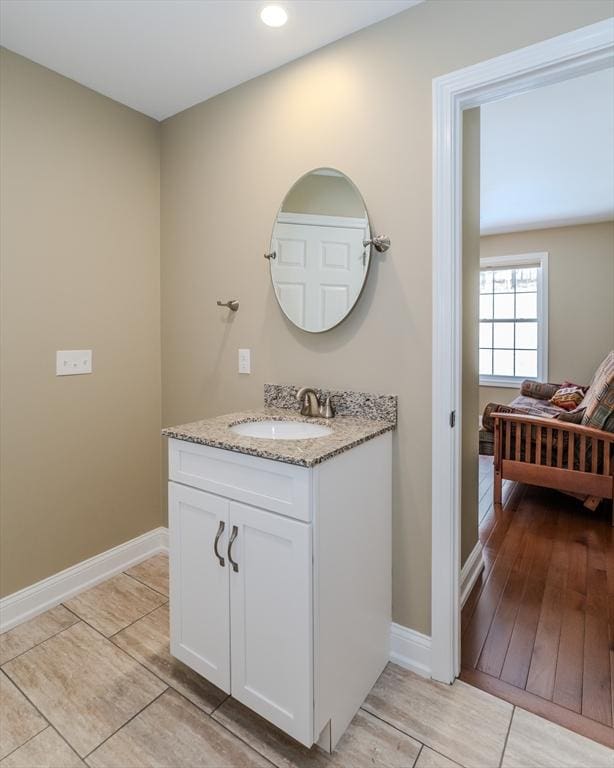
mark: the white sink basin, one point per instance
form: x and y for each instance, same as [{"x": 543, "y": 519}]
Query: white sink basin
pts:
[{"x": 280, "y": 430}]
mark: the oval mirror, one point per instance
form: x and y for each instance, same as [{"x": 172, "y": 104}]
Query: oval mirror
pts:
[{"x": 319, "y": 262}]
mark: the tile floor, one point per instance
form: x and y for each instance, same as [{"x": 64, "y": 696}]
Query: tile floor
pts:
[{"x": 92, "y": 683}]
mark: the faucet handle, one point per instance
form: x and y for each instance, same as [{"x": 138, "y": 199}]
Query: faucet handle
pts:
[
  {"x": 326, "y": 410},
  {"x": 305, "y": 406}
]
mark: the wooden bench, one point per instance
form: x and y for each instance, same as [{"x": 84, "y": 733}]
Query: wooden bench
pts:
[{"x": 571, "y": 458}]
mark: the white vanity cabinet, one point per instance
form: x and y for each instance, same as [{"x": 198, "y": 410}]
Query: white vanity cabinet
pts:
[{"x": 280, "y": 580}]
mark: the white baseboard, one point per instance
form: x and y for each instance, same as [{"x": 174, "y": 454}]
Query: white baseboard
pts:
[
  {"x": 29, "y": 602},
  {"x": 410, "y": 649},
  {"x": 470, "y": 572}
]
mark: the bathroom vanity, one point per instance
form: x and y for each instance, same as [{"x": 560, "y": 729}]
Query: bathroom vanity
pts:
[{"x": 280, "y": 559}]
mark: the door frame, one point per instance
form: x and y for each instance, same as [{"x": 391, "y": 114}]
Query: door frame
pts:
[{"x": 554, "y": 60}]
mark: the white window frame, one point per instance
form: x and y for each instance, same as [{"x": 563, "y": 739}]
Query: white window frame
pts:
[{"x": 540, "y": 260}]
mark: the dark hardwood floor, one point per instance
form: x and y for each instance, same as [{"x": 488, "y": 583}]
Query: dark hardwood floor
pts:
[{"x": 538, "y": 627}]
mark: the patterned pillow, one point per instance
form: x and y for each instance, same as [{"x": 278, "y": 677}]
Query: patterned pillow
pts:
[{"x": 568, "y": 398}]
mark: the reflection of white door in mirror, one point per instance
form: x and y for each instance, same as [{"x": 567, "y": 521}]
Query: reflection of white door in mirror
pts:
[{"x": 320, "y": 267}]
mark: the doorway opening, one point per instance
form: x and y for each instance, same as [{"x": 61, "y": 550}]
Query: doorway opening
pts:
[{"x": 569, "y": 56}]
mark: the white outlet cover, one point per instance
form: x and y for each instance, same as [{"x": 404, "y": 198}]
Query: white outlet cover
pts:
[
  {"x": 72, "y": 362},
  {"x": 245, "y": 361}
]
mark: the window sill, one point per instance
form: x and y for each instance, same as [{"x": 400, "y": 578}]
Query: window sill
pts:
[{"x": 509, "y": 382}]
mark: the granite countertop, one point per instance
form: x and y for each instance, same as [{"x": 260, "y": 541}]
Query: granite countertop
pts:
[{"x": 347, "y": 432}]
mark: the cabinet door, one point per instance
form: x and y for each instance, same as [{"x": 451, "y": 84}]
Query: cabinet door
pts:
[
  {"x": 199, "y": 582},
  {"x": 271, "y": 618}
]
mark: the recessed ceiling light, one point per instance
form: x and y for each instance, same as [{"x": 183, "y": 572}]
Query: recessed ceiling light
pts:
[{"x": 274, "y": 16}]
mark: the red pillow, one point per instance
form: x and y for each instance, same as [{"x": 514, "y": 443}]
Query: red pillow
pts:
[{"x": 568, "y": 397}]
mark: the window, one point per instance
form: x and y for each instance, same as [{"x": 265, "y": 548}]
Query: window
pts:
[{"x": 513, "y": 319}]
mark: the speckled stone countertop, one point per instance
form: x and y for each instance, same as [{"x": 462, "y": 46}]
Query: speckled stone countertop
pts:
[
  {"x": 362, "y": 405},
  {"x": 347, "y": 432}
]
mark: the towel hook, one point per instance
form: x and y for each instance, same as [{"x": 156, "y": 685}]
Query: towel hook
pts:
[{"x": 232, "y": 304}]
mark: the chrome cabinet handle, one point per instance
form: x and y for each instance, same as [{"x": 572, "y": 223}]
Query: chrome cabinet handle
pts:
[
  {"x": 233, "y": 536},
  {"x": 220, "y": 531}
]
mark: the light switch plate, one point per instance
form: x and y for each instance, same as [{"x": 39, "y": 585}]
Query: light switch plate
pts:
[
  {"x": 245, "y": 361},
  {"x": 71, "y": 362}
]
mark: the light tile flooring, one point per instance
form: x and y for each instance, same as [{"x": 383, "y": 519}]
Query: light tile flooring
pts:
[{"x": 92, "y": 683}]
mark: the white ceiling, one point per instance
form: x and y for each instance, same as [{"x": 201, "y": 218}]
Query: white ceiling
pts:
[
  {"x": 547, "y": 156},
  {"x": 162, "y": 56}
]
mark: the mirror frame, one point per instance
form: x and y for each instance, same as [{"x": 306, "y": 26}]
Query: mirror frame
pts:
[{"x": 370, "y": 248}]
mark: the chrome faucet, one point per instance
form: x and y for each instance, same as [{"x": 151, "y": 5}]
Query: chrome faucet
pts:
[{"x": 310, "y": 405}]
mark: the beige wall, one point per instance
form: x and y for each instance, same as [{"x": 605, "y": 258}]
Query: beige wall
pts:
[
  {"x": 362, "y": 105},
  {"x": 470, "y": 380},
  {"x": 80, "y": 269},
  {"x": 580, "y": 297}
]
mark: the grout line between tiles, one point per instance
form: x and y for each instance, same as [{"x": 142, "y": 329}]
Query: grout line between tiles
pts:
[
  {"x": 164, "y": 682},
  {"x": 155, "y": 674},
  {"x": 215, "y": 709},
  {"x": 25, "y": 695},
  {"x": 108, "y": 637},
  {"x": 424, "y": 743},
  {"x": 55, "y": 634},
  {"x": 169, "y": 686},
  {"x": 144, "y": 583},
  {"x": 46, "y": 719},
  {"x": 132, "y": 623},
  {"x": 150, "y": 671},
  {"x": 28, "y": 740},
  {"x": 65, "y": 740},
  {"x": 441, "y": 754},
  {"x": 147, "y": 669},
  {"x": 73, "y": 613},
  {"x": 396, "y": 727},
  {"x": 122, "y": 650},
  {"x": 507, "y": 735},
  {"x": 236, "y": 735},
  {"x": 225, "y": 727},
  {"x": 117, "y": 647},
  {"x": 129, "y": 720},
  {"x": 418, "y": 755},
  {"x": 446, "y": 757},
  {"x": 87, "y": 624}
]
